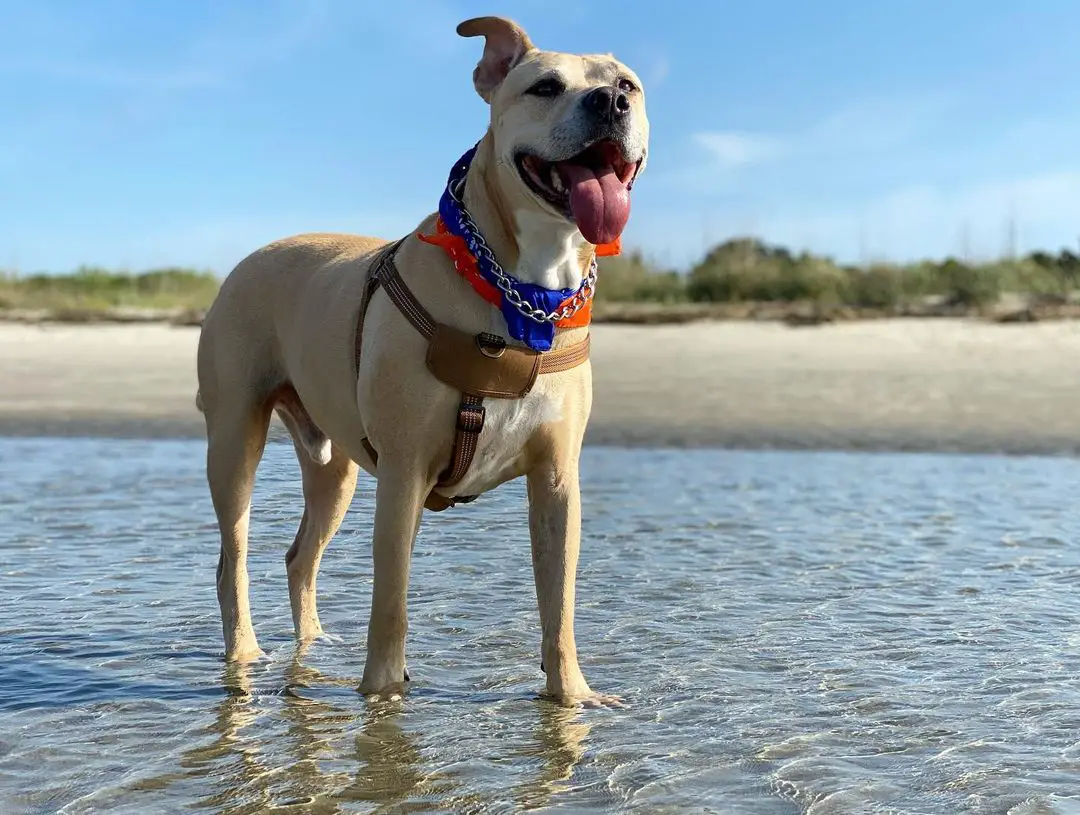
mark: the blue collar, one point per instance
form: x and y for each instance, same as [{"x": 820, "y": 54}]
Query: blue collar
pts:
[{"x": 532, "y": 319}]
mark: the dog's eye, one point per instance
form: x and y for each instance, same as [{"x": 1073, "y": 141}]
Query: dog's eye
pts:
[
  {"x": 626, "y": 86},
  {"x": 547, "y": 88}
]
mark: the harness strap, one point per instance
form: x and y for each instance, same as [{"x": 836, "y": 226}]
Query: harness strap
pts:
[
  {"x": 471, "y": 412},
  {"x": 470, "y": 421},
  {"x": 369, "y": 289},
  {"x": 387, "y": 274},
  {"x": 419, "y": 317},
  {"x": 565, "y": 358}
]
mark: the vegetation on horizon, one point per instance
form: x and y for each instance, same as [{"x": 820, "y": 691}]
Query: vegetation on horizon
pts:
[
  {"x": 747, "y": 270},
  {"x": 90, "y": 289},
  {"x": 741, "y": 270}
]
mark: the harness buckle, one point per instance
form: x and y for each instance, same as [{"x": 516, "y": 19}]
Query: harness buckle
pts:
[{"x": 470, "y": 418}]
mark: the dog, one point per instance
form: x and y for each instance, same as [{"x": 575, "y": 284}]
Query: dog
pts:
[{"x": 317, "y": 328}]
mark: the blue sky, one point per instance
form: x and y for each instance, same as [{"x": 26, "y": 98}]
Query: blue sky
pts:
[{"x": 192, "y": 131}]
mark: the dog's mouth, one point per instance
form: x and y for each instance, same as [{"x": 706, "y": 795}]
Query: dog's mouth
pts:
[{"x": 592, "y": 189}]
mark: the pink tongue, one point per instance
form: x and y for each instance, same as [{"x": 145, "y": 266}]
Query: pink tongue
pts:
[{"x": 600, "y": 202}]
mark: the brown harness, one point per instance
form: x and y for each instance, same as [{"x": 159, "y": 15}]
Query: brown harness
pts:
[{"x": 479, "y": 366}]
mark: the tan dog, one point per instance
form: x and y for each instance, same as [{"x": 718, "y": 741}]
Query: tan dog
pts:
[{"x": 550, "y": 180}]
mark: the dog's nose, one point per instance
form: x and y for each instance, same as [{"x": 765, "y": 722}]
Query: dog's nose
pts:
[{"x": 607, "y": 102}]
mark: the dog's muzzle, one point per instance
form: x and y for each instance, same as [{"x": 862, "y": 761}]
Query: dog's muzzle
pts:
[{"x": 607, "y": 104}]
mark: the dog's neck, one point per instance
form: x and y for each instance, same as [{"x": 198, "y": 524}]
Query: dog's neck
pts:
[{"x": 533, "y": 246}]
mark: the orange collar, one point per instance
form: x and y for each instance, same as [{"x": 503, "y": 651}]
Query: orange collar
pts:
[{"x": 465, "y": 265}]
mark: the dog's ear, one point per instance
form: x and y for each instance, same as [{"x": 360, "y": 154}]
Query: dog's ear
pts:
[{"x": 505, "y": 44}]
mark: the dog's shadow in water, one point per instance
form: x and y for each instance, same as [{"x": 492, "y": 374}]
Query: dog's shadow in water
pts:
[{"x": 244, "y": 758}]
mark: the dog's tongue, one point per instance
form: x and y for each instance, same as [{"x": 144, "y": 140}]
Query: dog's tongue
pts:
[{"x": 599, "y": 202}]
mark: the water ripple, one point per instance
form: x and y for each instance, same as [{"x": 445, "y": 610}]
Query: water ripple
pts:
[{"x": 816, "y": 633}]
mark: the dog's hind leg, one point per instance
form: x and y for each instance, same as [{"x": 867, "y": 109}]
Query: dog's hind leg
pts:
[
  {"x": 329, "y": 478},
  {"x": 236, "y": 436}
]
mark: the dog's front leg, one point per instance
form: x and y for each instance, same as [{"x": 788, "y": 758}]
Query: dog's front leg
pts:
[
  {"x": 399, "y": 502},
  {"x": 555, "y": 530}
]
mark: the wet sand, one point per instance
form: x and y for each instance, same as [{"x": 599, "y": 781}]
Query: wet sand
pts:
[{"x": 909, "y": 384}]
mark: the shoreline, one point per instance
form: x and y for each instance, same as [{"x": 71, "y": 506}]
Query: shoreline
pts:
[
  {"x": 605, "y": 438},
  {"x": 1012, "y": 309},
  {"x": 903, "y": 385}
]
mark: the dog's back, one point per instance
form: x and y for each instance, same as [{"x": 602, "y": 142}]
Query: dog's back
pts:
[{"x": 241, "y": 339}]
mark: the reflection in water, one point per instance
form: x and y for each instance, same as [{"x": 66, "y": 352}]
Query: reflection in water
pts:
[
  {"x": 390, "y": 765},
  {"x": 255, "y": 767},
  {"x": 232, "y": 759},
  {"x": 314, "y": 731},
  {"x": 245, "y": 761},
  {"x": 313, "y": 728},
  {"x": 559, "y": 744}
]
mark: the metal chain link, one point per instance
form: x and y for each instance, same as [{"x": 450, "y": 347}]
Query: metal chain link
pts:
[{"x": 478, "y": 246}]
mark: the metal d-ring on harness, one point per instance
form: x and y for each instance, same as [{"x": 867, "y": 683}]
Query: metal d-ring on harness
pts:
[{"x": 479, "y": 366}]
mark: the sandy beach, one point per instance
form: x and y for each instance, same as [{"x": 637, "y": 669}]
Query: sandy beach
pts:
[{"x": 936, "y": 384}]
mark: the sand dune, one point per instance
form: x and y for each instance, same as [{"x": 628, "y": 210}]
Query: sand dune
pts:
[{"x": 900, "y": 385}]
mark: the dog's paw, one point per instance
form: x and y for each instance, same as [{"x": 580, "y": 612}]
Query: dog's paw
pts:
[
  {"x": 393, "y": 692},
  {"x": 384, "y": 686},
  {"x": 586, "y": 699},
  {"x": 383, "y": 696},
  {"x": 602, "y": 700},
  {"x": 247, "y": 656}
]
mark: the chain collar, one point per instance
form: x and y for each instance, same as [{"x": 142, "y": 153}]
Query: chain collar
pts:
[{"x": 486, "y": 260}]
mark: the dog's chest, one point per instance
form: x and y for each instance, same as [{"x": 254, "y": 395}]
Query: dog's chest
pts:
[{"x": 508, "y": 426}]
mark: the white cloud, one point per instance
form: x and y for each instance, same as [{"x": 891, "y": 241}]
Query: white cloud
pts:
[
  {"x": 979, "y": 220},
  {"x": 872, "y": 125},
  {"x": 866, "y": 126},
  {"x": 731, "y": 149},
  {"x": 885, "y": 178}
]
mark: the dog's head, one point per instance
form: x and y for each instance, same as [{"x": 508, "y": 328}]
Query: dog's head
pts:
[{"x": 570, "y": 132}]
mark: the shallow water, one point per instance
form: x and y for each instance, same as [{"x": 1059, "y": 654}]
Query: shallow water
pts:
[{"x": 792, "y": 633}]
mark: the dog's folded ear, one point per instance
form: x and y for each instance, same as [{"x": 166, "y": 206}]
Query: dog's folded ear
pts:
[{"x": 505, "y": 44}]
